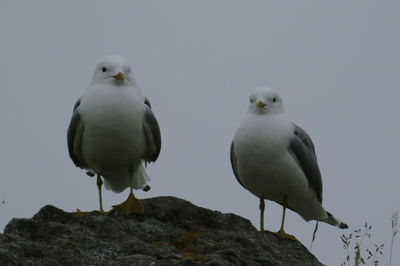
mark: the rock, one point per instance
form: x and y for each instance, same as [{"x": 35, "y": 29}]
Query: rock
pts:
[{"x": 172, "y": 232}]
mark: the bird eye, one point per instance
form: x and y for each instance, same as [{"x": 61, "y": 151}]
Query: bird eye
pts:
[
  {"x": 251, "y": 100},
  {"x": 274, "y": 99},
  {"x": 104, "y": 69}
]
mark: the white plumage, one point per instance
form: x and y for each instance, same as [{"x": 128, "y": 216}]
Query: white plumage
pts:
[
  {"x": 113, "y": 129},
  {"x": 275, "y": 159},
  {"x": 113, "y": 139}
]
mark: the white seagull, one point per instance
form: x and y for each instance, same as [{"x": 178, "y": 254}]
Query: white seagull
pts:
[
  {"x": 113, "y": 131},
  {"x": 275, "y": 159}
]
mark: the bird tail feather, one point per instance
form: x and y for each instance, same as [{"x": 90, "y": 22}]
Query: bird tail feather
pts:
[
  {"x": 334, "y": 221},
  {"x": 118, "y": 182},
  {"x": 139, "y": 178}
]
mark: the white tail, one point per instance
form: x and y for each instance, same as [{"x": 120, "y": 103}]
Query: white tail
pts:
[
  {"x": 139, "y": 178},
  {"x": 118, "y": 182}
]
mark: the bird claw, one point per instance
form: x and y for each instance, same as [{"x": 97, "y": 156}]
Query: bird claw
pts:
[
  {"x": 130, "y": 206},
  {"x": 282, "y": 235}
]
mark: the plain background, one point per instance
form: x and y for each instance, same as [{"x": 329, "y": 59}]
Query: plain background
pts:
[{"x": 335, "y": 63}]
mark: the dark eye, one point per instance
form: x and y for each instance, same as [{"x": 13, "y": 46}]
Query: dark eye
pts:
[
  {"x": 104, "y": 69},
  {"x": 251, "y": 100},
  {"x": 274, "y": 99}
]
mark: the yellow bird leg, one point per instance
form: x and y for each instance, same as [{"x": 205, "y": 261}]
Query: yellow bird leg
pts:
[
  {"x": 99, "y": 183},
  {"x": 281, "y": 233}
]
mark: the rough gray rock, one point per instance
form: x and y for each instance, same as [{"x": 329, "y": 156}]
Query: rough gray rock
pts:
[{"x": 172, "y": 232}]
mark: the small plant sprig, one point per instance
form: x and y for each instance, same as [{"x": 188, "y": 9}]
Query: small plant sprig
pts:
[
  {"x": 395, "y": 230},
  {"x": 357, "y": 248}
]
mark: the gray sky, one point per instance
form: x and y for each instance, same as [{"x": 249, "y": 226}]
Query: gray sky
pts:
[{"x": 335, "y": 63}]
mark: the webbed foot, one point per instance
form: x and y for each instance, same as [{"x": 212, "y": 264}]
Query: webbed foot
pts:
[
  {"x": 281, "y": 234},
  {"x": 130, "y": 206}
]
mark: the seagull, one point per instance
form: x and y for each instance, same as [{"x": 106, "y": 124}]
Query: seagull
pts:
[
  {"x": 275, "y": 160},
  {"x": 113, "y": 132}
]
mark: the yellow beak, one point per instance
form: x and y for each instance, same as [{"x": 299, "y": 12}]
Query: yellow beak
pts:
[
  {"x": 119, "y": 76},
  {"x": 261, "y": 104}
]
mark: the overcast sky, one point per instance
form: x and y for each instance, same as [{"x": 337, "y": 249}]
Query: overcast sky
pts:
[{"x": 335, "y": 63}]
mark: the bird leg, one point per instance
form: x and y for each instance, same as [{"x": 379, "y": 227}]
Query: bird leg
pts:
[
  {"x": 99, "y": 184},
  {"x": 281, "y": 233},
  {"x": 262, "y": 208},
  {"x": 131, "y": 205}
]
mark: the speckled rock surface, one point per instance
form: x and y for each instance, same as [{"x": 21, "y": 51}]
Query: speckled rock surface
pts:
[{"x": 172, "y": 232}]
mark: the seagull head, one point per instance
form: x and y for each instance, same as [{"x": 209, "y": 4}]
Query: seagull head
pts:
[
  {"x": 113, "y": 69},
  {"x": 265, "y": 101}
]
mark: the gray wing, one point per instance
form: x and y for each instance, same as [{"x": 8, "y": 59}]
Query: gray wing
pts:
[
  {"x": 234, "y": 164},
  {"x": 302, "y": 149},
  {"x": 152, "y": 134},
  {"x": 74, "y": 137}
]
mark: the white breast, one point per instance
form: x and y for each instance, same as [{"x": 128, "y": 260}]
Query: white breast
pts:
[
  {"x": 264, "y": 164},
  {"x": 113, "y": 136}
]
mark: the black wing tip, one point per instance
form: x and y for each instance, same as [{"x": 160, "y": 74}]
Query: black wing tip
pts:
[
  {"x": 339, "y": 223},
  {"x": 343, "y": 226},
  {"x": 147, "y": 102},
  {"x": 77, "y": 103}
]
